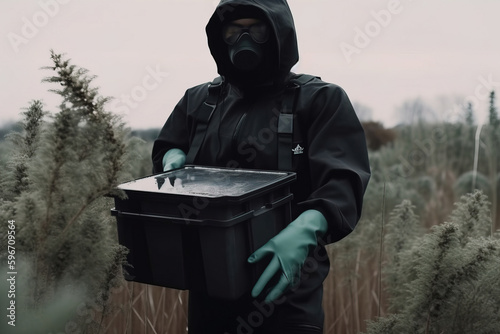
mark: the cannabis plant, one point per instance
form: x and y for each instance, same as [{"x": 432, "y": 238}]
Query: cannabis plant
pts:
[
  {"x": 56, "y": 189},
  {"x": 448, "y": 278},
  {"x": 26, "y": 146},
  {"x": 403, "y": 230}
]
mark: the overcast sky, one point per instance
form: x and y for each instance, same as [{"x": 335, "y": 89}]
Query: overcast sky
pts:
[{"x": 145, "y": 54}]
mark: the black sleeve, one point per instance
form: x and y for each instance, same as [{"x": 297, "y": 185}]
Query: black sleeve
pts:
[
  {"x": 174, "y": 134},
  {"x": 338, "y": 162}
]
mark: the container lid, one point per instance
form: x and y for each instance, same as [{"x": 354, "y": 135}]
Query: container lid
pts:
[{"x": 209, "y": 182}]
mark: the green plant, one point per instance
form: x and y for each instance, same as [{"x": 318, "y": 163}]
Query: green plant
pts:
[
  {"x": 448, "y": 279},
  {"x": 26, "y": 145},
  {"x": 57, "y": 186},
  {"x": 467, "y": 181},
  {"x": 403, "y": 230}
]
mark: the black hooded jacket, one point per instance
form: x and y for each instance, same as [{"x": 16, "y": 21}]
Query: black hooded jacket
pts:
[{"x": 331, "y": 161}]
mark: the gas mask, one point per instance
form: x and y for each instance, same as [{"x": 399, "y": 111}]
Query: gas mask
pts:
[{"x": 246, "y": 43}]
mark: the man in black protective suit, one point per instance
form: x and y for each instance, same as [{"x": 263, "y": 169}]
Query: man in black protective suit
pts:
[{"x": 257, "y": 103}]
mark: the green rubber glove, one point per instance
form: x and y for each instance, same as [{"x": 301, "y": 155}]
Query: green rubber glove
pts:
[
  {"x": 174, "y": 158},
  {"x": 289, "y": 250}
]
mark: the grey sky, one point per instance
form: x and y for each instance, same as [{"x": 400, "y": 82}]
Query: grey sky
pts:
[{"x": 146, "y": 53}]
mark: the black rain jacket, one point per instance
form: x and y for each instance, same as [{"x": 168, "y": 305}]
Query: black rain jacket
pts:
[
  {"x": 331, "y": 162},
  {"x": 332, "y": 169}
]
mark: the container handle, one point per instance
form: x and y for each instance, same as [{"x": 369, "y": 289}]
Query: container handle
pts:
[
  {"x": 185, "y": 221},
  {"x": 209, "y": 222},
  {"x": 272, "y": 205}
]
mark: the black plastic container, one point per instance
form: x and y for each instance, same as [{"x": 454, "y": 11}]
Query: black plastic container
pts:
[{"x": 194, "y": 227}]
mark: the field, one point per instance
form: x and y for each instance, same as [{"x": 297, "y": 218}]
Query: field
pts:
[{"x": 423, "y": 259}]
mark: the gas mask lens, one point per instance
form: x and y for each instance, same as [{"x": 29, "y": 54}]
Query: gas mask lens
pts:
[{"x": 259, "y": 32}]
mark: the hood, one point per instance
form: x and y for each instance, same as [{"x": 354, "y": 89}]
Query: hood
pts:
[{"x": 275, "y": 12}]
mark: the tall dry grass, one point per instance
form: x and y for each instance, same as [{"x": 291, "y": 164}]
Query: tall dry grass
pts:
[
  {"x": 429, "y": 164},
  {"x": 352, "y": 294},
  {"x": 144, "y": 308}
]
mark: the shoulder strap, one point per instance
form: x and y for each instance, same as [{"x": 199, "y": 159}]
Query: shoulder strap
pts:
[
  {"x": 203, "y": 116},
  {"x": 285, "y": 121}
]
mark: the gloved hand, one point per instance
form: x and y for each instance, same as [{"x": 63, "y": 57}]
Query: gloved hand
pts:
[
  {"x": 174, "y": 158},
  {"x": 289, "y": 250}
]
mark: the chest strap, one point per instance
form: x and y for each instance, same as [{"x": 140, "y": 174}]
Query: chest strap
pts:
[
  {"x": 285, "y": 122},
  {"x": 203, "y": 116}
]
